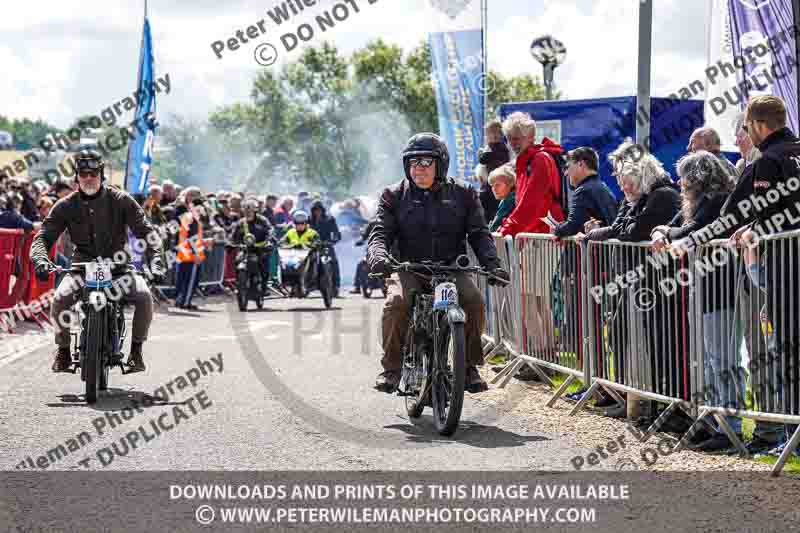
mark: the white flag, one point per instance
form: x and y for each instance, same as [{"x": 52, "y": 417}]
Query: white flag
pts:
[{"x": 720, "y": 48}]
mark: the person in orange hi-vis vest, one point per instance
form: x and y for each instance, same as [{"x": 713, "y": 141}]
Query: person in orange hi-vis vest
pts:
[{"x": 190, "y": 255}]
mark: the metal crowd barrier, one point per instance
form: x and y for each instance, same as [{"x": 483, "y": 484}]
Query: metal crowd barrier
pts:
[
  {"x": 549, "y": 306},
  {"x": 688, "y": 329},
  {"x": 747, "y": 338},
  {"x": 638, "y": 325},
  {"x": 213, "y": 273}
]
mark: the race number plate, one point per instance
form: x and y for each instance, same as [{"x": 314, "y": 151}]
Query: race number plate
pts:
[
  {"x": 445, "y": 294},
  {"x": 98, "y": 275}
]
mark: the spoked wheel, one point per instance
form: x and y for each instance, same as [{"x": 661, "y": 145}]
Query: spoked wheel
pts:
[
  {"x": 415, "y": 404},
  {"x": 241, "y": 290},
  {"x": 448, "y": 376},
  {"x": 326, "y": 288},
  {"x": 92, "y": 364}
]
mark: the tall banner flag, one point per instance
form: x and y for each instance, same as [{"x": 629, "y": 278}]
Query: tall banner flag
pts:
[
  {"x": 459, "y": 79},
  {"x": 764, "y": 36},
  {"x": 140, "y": 150},
  {"x": 719, "y": 113}
]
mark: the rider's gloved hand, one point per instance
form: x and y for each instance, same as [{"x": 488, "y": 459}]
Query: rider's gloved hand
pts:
[
  {"x": 380, "y": 267},
  {"x": 43, "y": 272},
  {"x": 501, "y": 274}
]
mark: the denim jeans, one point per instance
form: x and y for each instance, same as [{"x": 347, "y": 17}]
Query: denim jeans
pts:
[{"x": 724, "y": 377}]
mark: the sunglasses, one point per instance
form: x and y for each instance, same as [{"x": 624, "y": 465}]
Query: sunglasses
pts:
[
  {"x": 423, "y": 162},
  {"x": 88, "y": 173}
]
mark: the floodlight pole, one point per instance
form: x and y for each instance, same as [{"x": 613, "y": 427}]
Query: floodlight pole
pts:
[
  {"x": 549, "y": 70},
  {"x": 643, "y": 84}
]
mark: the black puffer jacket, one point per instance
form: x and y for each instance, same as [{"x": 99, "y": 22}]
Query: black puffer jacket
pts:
[
  {"x": 634, "y": 222},
  {"x": 325, "y": 225},
  {"x": 432, "y": 224}
]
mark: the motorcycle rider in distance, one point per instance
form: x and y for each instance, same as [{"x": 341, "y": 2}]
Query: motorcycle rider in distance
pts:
[
  {"x": 259, "y": 227},
  {"x": 98, "y": 218},
  {"x": 362, "y": 268},
  {"x": 429, "y": 217},
  {"x": 325, "y": 225},
  {"x": 300, "y": 235}
]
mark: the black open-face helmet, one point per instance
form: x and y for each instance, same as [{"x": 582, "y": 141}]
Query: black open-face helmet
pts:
[
  {"x": 427, "y": 145},
  {"x": 89, "y": 160}
]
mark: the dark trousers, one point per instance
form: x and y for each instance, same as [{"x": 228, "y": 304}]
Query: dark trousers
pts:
[{"x": 185, "y": 282}]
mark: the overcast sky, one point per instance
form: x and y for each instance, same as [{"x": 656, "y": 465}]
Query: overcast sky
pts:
[{"x": 61, "y": 61}]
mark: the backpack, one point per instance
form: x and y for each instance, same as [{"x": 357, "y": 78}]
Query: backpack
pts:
[{"x": 561, "y": 166}]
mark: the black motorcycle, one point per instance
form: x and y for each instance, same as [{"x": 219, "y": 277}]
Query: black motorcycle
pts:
[
  {"x": 434, "y": 351},
  {"x": 251, "y": 282},
  {"x": 366, "y": 282},
  {"x": 98, "y": 346}
]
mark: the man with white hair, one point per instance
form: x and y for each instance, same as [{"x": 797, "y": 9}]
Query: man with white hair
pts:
[
  {"x": 538, "y": 182},
  {"x": 707, "y": 139}
]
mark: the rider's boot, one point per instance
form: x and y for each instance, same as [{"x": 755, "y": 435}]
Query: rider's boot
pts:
[
  {"x": 388, "y": 381},
  {"x": 355, "y": 290},
  {"x": 62, "y": 361},
  {"x": 474, "y": 382},
  {"x": 135, "y": 361}
]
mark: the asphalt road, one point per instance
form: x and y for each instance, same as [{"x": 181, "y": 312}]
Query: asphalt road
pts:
[{"x": 294, "y": 392}]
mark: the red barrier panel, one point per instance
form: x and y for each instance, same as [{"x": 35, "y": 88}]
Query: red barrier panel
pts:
[
  {"x": 229, "y": 277},
  {"x": 12, "y": 267}
]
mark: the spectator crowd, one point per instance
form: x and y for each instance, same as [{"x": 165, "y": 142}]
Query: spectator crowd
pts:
[{"x": 521, "y": 192}]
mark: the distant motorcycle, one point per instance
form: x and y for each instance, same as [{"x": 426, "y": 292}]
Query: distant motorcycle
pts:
[
  {"x": 365, "y": 281},
  {"x": 307, "y": 269},
  {"x": 251, "y": 283}
]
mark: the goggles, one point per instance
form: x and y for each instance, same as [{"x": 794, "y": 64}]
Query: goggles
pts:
[{"x": 88, "y": 164}]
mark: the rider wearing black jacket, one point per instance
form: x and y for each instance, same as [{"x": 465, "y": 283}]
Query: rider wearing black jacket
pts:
[
  {"x": 98, "y": 219},
  {"x": 429, "y": 217},
  {"x": 325, "y": 225},
  {"x": 259, "y": 227}
]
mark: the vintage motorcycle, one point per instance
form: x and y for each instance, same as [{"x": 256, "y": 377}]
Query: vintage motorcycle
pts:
[
  {"x": 305, "y": 269},
  {"x": 97, "y": 347},
  {"x": 434, "y": 351},
  {"x": 251, "y": 283}
]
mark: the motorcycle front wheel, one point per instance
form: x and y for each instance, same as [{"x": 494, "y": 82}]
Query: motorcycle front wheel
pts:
[
  {"x": 92, "y": 363},
  {"x": 448, "y": 378},
  {"x": 241, "y": 291}
]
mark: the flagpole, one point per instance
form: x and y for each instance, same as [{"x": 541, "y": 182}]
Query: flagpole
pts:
[
  {"x": 145, "y": 8},
  {"x": 484, "y": 27}
]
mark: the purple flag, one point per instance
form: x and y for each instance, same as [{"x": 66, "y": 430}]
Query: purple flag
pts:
[{"x": 764, "y": 35}]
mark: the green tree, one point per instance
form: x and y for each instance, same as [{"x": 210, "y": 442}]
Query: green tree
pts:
[
  {"x": 29, "y": 133},
  {"x": 328, "y": 121}
]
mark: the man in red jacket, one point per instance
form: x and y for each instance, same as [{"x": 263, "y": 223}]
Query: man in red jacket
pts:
[
  {"x": 538, "y": 192},
  {"x": 538, "y": 184}
]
